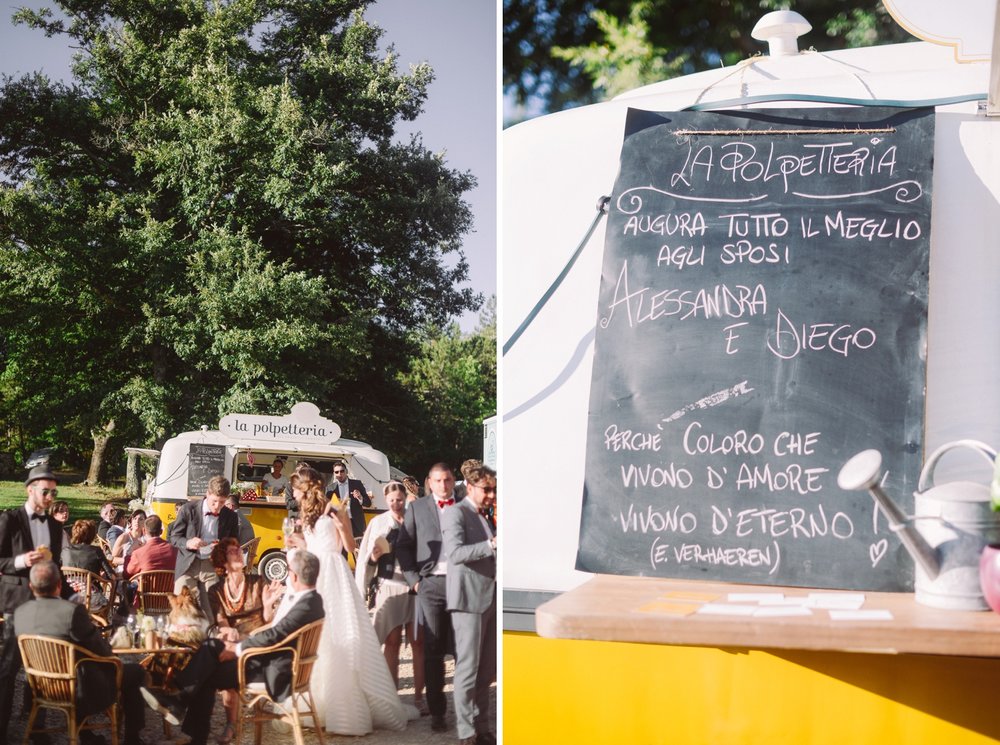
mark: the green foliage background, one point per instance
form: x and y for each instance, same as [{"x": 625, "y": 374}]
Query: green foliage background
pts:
[
  {"x": 563, "y": 53},
  {"x": 214, "y": 217}
]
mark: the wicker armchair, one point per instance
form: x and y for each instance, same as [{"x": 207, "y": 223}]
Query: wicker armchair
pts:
[
  {"x": 105, "y": 546},
  {"x": 253, "y": 696},
  {"x": 153, "y": 591},
  {"x": 92, "y": 588},
  {"x": 50, "y": 666}
]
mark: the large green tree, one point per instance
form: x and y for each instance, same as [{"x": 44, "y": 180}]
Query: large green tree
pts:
[
  {"x": 640, "y": 41},
  {"x": 213, "y": 216},
  {"x": 453, "y": 379}
]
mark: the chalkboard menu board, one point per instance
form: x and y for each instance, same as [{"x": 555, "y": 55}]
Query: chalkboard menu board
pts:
[
  {"x": 762, "y": 317},
  {"x": 204, "y": 462}
]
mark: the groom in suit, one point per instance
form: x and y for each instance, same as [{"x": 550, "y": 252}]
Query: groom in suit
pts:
[
  {"x": 213, "y": 667},
  {"x": 470, "y": 543},
  {"x": 27, "y": 536},
  {"x": 200, "y": 524},
  {"x": 425, "y": 566}
]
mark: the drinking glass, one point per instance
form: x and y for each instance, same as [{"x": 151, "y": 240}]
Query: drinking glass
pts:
[
  {"x": 161, "y": 630},
  {"x": 133, "y": 628}
]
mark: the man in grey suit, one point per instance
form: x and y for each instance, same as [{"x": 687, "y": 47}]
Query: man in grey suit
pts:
[
  {"x": 200, "y": 524},
  {"x": 96, "y": 690},
  {"x": 424, "y": 564},
  {"x": 470, "y": 543}
]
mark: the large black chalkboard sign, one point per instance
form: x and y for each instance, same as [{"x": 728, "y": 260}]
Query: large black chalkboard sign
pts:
[
  {"x": 762, "y": 318},
  {"x": 204, "y": 462}
]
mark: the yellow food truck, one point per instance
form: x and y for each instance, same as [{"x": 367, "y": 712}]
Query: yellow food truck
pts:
[{"x": 243, "y": 449}]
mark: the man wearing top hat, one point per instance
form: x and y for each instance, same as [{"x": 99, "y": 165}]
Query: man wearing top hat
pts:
[{"x": 27, "y": 536}]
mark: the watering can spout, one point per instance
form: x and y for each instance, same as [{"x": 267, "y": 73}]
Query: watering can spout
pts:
[{"x": 864, "y": 471}]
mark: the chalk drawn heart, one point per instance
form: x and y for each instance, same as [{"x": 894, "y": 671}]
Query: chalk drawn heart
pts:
[{"x": 877, "y": 550}]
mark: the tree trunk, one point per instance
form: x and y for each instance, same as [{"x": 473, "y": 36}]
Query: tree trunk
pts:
[
  {"x": 101, "y": 439},
  {"x": 132, "y": 477}
]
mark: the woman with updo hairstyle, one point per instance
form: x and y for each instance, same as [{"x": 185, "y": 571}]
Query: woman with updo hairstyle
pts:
[
  {"x": 239, "y": 601},
  {"x": 351, "y": 684},
  {"x": 313, "y": 505}
]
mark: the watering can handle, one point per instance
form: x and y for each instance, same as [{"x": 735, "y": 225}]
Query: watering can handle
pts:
[{"x": 927, "y": 474}]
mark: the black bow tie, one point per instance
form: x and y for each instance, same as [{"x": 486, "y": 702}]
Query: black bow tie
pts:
[{"x": 36, "y": 516}]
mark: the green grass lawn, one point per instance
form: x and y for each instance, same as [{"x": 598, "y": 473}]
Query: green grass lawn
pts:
[{"x": 84, "y": 501}]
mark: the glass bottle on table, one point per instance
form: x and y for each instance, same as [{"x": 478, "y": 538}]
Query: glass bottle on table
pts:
[{"x": 132, "y": 626}]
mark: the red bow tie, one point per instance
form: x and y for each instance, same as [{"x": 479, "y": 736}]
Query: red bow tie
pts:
[
  {"x": 213, "y": 514},
  {"x": 442, "y": 503}
]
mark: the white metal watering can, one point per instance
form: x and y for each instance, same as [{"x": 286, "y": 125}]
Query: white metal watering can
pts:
[{"x": 952, "y": 524}]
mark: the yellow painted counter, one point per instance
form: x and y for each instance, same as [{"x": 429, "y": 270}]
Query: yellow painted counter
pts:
[{"x": 588, "y": 690}]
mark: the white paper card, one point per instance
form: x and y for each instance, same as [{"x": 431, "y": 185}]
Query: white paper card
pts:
[
  {"x": 777, "y": 611},
  {"x": 873, "y": 614},
  {"x": 721, "y": 609},
  {"x": 799, "y": 600},
  {"x": 755, "y": 597},
  {"x": 839, "y": 600}
]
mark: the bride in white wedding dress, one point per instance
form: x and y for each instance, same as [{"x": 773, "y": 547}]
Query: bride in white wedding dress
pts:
[{"x": 351, "y": 685}]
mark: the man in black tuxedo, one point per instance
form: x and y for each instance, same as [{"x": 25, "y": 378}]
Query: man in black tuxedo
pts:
[
  {"x": 351, "y": 493},
  {"x": 50, "y": 615},
  {"x": 27, "y": 536},
  {"x": 200, "y": 524},
  {"x": 213, "y": 666},
  {"x": 418, "y": 548}
]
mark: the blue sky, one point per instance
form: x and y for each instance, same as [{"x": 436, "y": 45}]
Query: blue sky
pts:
[{"x": 459, "y": 40}]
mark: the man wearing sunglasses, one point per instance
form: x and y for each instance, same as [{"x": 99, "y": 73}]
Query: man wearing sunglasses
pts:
[
  {"x": 352, "y": 493},
  {"x": 27, "y": 536},
  {"x": 470, "y": 543}
]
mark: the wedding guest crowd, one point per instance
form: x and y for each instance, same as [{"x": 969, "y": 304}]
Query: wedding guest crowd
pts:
[
  {"x": 154, "y": 554},
  {"x": 425, "y": 575}
]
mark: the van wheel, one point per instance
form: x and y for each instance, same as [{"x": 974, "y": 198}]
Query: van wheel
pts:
[{"x": 274, "y": 566}]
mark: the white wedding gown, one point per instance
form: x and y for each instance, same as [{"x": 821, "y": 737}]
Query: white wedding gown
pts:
[{"x": 351, "y": 685}]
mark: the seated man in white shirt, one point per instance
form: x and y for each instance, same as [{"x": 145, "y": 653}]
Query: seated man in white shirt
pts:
[{"x": 213, "y": 666}]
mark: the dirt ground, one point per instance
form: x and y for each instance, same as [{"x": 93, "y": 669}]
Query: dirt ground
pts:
[{"x": 418, "y": 731}]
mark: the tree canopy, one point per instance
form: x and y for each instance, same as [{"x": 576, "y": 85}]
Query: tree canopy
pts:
[
  {"x": 213, "y": 216},
  {"x": 454, "y": 380},
  {"x": 562, "y": 53}
]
